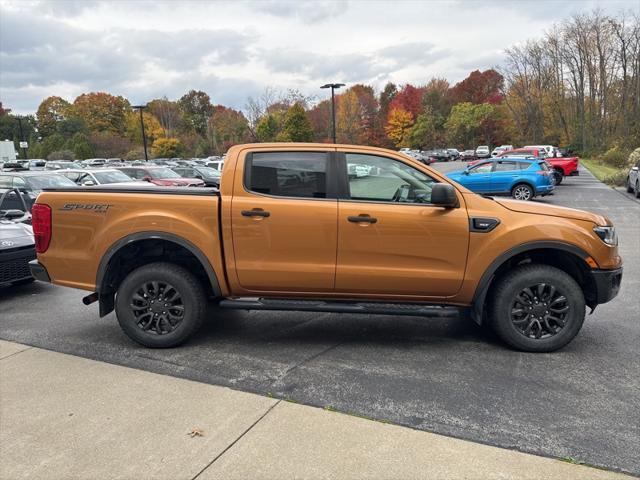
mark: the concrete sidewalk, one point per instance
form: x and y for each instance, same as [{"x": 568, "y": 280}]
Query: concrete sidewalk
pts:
[{"x": 65, "y": 417}]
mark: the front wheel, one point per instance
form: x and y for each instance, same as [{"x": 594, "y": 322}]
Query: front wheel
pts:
[
  {"x": 522, "y": 191},
  {"x": 636, "y": 190},
  {"x": 629, "y": 186},
  {"x": 160, "y": 305},
  {"x": 537, "y": 308}
]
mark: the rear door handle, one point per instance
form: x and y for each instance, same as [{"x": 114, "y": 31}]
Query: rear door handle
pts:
[
  {"x": 256, "y": 212},
  {"x": 362, "y": 219}
]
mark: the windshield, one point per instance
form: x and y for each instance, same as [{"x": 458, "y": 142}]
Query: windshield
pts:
[
  {"x": 208, "y": 172},
  {"x": 49, "y": 181},
  {"x": 163, "y": 173},
  {"x": 111, "y": 177}
]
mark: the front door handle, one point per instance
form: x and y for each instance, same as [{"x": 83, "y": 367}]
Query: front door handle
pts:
[
  {"x": 256, "y": 212},
  {"x": 363, "y": 218}
]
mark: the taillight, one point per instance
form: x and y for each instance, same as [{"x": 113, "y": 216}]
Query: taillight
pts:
[{"x": 41, "y": 224}]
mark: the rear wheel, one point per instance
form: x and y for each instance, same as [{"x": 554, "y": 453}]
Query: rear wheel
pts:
[
  {"x": 160, "y": 305},
  {"x": 630, "y": 188},
  {"x": 636, "y": 190},
  {"x": 558, "y": 176},
  {"x": 537, "y": 308},
  {"x": 522, "y": 191}
]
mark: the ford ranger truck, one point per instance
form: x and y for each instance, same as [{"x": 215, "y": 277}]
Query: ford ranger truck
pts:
[{"x": 291, "y": 229}]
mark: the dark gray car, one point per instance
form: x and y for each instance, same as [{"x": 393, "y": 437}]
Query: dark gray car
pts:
[{"x": 17, "y": 247}]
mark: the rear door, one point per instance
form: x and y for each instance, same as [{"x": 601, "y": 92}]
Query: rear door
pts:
[
  {"x": 391, "y": 240},
  {"x": 504, "y": 174},
  {"x": 283, "y": 218}
]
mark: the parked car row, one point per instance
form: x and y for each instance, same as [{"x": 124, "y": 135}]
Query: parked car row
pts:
[{"x": 214, "y": 162}]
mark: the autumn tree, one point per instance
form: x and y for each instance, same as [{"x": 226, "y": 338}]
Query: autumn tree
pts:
[
  {"x": 424, "y": 133},
  {"x": 297, "y": 127},
  {"x": 51, "y": 111},
  {"x": 409, "y": 98},
  {"x": 152, "y": 128},
  {"x": 479, "y": 87},
  {"x": 102, "y": 112},
  {"x": 320, "y": 119},
  {"x": 349, "y": 116},
  {"x": 464, "y": 125},
  {"x": 166, "y": 148},
  {"x": 399, "y": 126},
  {"x": 267, "y": 128},
  {"x": 226, "y": 127},
  {"x": 197, "y": 108},
  {"x": 168, "y": 114}
]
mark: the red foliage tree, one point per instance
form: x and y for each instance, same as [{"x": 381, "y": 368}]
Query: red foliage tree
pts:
[
  {"x": 409, "y": 98},
  {"x": 479, "y": 87}
]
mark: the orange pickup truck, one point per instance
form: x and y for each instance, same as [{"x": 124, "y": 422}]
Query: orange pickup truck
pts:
[{"x": 331, "y": 228}]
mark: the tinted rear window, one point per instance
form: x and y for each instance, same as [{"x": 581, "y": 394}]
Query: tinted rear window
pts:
[{"x": 288, "y": 174}]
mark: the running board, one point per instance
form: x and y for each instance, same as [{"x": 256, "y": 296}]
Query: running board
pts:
[{"x": 411, "y": 309}]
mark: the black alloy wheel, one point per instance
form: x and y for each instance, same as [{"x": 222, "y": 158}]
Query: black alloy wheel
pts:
[
  {"x": 157, "y": 307},
  {"x": 539, "y": 311}
]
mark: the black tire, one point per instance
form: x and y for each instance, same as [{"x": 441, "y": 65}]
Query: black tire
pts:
[
  {"x": 517, "y": 325},
  {"x": 522, "y": 191},
  {"x": 155, "y": 327},
  {"x": 558, "y": 176},
  {"x": 636, "y": 191},
  {"x": 629, "y": 186}
]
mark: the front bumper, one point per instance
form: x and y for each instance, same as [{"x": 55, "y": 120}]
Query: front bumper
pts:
[
  {"x": 14, "y": 264},
  {"x": 607, "y": 283},
  {"x": 574, "y": 173},
  {"x": 39, "y": 271}
]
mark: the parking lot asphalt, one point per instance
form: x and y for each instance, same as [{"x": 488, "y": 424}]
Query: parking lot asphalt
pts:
[{"x": 444, "y": 375}]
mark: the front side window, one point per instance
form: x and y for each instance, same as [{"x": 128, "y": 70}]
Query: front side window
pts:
[
  {"x": 382, "y": 179},
  {"x": 288, "y": 174},
  {"x": 481, "y": 168}
]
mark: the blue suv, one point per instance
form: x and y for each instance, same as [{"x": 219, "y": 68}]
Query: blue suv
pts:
[{"x": 521, "y": 178}]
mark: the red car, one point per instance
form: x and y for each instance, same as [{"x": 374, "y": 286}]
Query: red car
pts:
[
  {"x": 562, "y": 166},
  {"x": 161, "y": 176}
]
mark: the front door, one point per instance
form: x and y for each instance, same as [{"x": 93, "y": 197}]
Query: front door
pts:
[
  {"x": 478, "y": 178},
  {"x": 391, "y": 239},
  {"x": 284, "y": 214}
]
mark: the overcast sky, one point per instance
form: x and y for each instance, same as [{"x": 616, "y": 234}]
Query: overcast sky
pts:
[{"x": 146, "y": 49}]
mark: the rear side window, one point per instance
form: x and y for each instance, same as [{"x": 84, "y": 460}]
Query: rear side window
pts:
[
  {"x": 505, "y": 166},
  {"x": 287, "y": 174}
]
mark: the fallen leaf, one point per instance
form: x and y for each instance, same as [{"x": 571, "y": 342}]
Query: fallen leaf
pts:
[{"x": 196, "y": 432}]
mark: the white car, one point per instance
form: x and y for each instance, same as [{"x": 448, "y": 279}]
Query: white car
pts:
[
  {"x": 633, "y": 180},
  {"x": 501, "y": 149},
  {"x": 483, "y": 151},
  {"x": 552, "y": 152},
  {"x": 105, "y": 176}
]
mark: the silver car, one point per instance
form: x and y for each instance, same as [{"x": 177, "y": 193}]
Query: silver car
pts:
[{"x": 633, "y": 180}]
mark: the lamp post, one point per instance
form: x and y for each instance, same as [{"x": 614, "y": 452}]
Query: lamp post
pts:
[
  {"x": 23, "y": 142},
  {"x": 333, "y": 86},
  {"x": 144, "y": 137}
]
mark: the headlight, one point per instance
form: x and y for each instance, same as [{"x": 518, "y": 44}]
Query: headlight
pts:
[{"x": 607, "y": 235}]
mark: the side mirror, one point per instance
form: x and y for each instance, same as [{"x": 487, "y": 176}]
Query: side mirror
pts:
[
  {"x": 444, "y": 195},
  {"x": 88, "y": 183},
  {"x": 146, "y": 179}
]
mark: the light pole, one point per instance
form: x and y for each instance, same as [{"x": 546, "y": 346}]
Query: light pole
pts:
[
  {"x": 333, "y": 86},
  {"x": 144, "y": 137},
  {"x": 22, "y": 140}
]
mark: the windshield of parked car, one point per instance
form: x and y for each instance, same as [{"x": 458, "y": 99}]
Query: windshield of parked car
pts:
[
  {"x": 163, "y": 173},
  {"x": 208, "y": 172},
  {"x": 104, "y": 177},
  {"x": 49, "y": 181}
]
